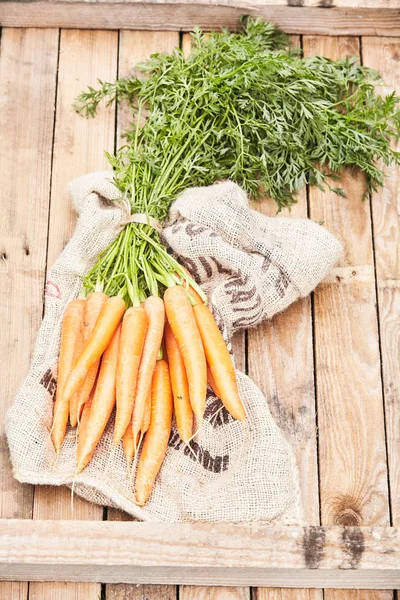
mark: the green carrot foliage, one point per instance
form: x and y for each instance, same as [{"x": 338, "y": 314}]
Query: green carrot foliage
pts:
[{"x": 243, "y": 106}]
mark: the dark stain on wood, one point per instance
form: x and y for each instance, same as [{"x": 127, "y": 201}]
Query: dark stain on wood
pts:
[
  {"x": 295, "y": 2},
  {"x": 353, "y": 547},
  {"x": 325, "y": 3},
  {"x": 293, "y": 422},
  {"x": 313, "y": 546}
]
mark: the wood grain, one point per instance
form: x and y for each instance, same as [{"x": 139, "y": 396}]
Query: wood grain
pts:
[
  {"x": 79, "y": 147},
  {"x": 383, "y": 55},
  {"x": 245, "y": 4},
  {"x": 286, "y": 594},
  {"x": 174, "y": 17},
  {"x": 213, "y": 593},
  {"x": 27, "y": 90},
  {"x": 281, "y": 363},
  {"x": 352, "y": 457},
  {"x": 134, "y": 47},
  {"x": 200, "y": 554},
  {"x": 280, "y": 357}
]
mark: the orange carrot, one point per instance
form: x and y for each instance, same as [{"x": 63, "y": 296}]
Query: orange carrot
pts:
[
  {"x": 156, "y": 440},
  {"x": 211, "y": 383},
  {"x": 108, "y": 321},
  {"x": 180, "y": 387},
  {"x": 128, "y": 441},
  {"x": 183, "y": 324},
  {"x": 94, "y": 304},
  {"x": 102, "y": 404},
  {"x": 219, "y": 361},
  {"x": 69, "y": 333},
  {"x": 147, "y": 414},
  {"x": 128, "y": 444},
  {"x": 154, "y": 308},
  {"x": 83, "y": 424},
  {"x": 133, "y": 335},
  {"x": 73, "y": 404}
]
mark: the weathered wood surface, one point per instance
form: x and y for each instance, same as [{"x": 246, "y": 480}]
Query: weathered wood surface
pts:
[
  {"x": 27, "y": 92},
  {"x": 79, "y": 146},
  {"x": 280, "y": 358},
  {"x": 385, "y": 56},
  {"x": 352, "y": 458},
  {"x": 353, "y": 468},
  {"x": 160, "y": 16},
  {"x": 280, "y": 354},
  {"x": 200, "y": 553},
  {"x": 245, "y": 4},
  {"x": 135, "y": 46}
]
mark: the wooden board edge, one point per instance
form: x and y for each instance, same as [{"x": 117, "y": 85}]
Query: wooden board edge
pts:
[
  {"x": 211, "y": 577},
  {"x": 184, "y": 17},
  {"x": 199, "y": 554}
]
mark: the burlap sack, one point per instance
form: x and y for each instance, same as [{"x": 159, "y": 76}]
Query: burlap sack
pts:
[{"x": 251, "y": 267}]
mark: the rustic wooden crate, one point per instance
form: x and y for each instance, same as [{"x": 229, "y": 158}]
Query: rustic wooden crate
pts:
[{"x": 329, "y": 365}]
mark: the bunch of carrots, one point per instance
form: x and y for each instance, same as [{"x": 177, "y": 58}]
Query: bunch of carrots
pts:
[{"x": 147, "y": 360}]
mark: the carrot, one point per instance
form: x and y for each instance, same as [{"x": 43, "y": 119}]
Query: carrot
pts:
[
  {"x": 128, "y": 444},
  {"x": 83, "y": 424},
  {"x": 147, "y": 414},
  {"x": 154, "y": 308},
  {"x": 211, "y": 383},
  {"x": 133, "y": 335},
  {"x": 94, "y": 304},
  {"x": 106, "y": 324},
  {"x": 183, "y": 324},
  {"x": 219, "y": 361},
  {"x": 102, "y": 404},
  {"x": 180, "y": 388},
  {"x": 73, "y": 404},
  {"x": 156, "y": 440},
  {"x": 69, "y": 332}
]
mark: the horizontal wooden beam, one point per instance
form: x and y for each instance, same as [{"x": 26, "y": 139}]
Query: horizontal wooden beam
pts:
[
  {"x": 185, "y": 16},
  {"x": 200, "y": 554}
]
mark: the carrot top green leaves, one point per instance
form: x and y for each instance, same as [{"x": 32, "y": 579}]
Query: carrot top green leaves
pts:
[{"x": 241, "y": 106}]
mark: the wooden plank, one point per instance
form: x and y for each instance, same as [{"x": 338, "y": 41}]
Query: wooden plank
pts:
[
  {"x": 174, "y": 17},
  {"x": 27, "y": 90},
  {"x": 287, "y": 594},
  {"x": 200, "y": 554},
  {"x": 78, "y": 148},
  {"x": 383, "y": 54},
  {"x": 125, "y": 591},
  {"x": 239, "y": 351},
  {"x": 213, "y": 593},
  {"x": 244, "y": 4},
  {"x": 352, "y": 457},
  {"x": 280, "y": 357},
  {"x": 135, "y": 46}
]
